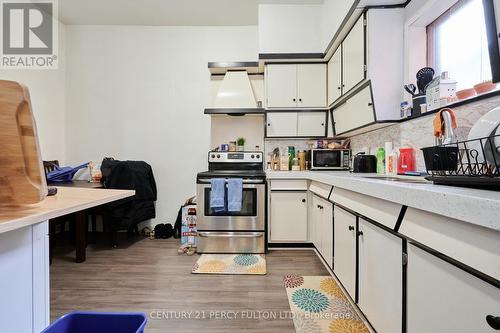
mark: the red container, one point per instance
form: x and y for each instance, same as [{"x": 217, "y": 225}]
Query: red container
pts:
[{"x": 406, "y": 160}]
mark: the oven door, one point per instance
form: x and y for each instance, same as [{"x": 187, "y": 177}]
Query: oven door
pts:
[{"x": 250, "y": 217}]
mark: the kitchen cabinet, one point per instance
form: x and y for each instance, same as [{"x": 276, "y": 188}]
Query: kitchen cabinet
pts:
[
  {"x": 288, "y": 218},
  {"x": 335, "y": 76},
  {"x": 295, "y": 85},
  {"x": 309, "y": 124},
  {"x": 380, "y": 277},
  {"x": 353, "y": 56},
  {"x": 355, "y": 112},
  {"x": 281, "y": 124},
  {"x": 444, "y": 298},
  {"x": 344, "y": 226},
  {"x": 281, "y": 85},
  {"x": 321, "y": 227}
]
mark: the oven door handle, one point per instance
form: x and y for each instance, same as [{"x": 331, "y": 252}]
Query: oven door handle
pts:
[
  {"x": 245, "y": 181},
  {"x": 230, "y": 235}
]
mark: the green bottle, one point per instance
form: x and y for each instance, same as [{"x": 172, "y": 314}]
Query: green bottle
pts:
[
  {"x": 381, "y": 160},
  {"x": 291, "y": 156}
]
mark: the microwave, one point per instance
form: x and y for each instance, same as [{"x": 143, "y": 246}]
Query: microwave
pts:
[{"x": 330, "y": 159}]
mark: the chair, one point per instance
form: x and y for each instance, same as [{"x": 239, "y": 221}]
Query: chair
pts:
[{"x": 49, "y": 166}]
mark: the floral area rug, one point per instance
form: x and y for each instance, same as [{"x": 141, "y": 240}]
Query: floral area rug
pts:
[
  {"x": 319, "y": 305},
  {"x": 237, "y": 264}
]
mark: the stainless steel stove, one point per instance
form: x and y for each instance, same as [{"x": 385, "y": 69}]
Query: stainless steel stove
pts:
[{"x": 233, "y": 232}]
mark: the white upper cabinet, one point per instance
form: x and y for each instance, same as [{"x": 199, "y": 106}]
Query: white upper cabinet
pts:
[
  {"x": 354, "y": 112},
  {"x": 353, "y": 50},
  {"x": 281, "y": 86},
  {"x": 311, "y": 85},
  {"x": 281, "y": 124},
  {"x": 335, "y": 76},
  {"x": 311, "y": 124},
  {"x": 296, "y": 85}
]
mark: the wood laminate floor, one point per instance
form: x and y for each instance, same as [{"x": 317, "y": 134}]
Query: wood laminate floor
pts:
[{"x": 149, "y": 276}]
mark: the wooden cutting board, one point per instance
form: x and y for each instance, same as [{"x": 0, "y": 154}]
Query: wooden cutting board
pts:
[{"x": 22, "y": 179}]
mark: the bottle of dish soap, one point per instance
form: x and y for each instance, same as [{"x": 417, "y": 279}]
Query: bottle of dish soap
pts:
[{"x": 381, "y": 160}]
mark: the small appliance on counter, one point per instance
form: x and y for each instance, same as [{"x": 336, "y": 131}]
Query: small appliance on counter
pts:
[
  {"x": 330, "y": 159},
  {"x": 362, "y": 163}
]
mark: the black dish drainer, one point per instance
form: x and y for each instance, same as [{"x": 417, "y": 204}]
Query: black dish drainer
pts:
[{"x": 470, "y": 163}]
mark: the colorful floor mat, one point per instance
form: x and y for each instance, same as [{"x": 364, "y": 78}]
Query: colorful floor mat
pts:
[
  {"x": 237, "y": 264},
  {"x": 319, "y": 305}
]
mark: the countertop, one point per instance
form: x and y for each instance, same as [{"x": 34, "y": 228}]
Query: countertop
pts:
[
  {"x": 479, "y": 207},
  {"x": 67, "y": 200}
]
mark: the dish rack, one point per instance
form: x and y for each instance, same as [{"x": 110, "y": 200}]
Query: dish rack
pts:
[{"x": 471, "y": 163}]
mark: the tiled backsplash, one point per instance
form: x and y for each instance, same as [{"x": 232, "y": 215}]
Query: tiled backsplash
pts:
[{"x": 417, "y": 133}]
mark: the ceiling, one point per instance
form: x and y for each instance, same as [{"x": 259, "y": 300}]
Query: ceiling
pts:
[{"x": 165, "y": 12}]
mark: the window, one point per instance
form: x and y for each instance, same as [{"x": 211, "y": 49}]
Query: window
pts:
[{"x": 457, "y": 43}]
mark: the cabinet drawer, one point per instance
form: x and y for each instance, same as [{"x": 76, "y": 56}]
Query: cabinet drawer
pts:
[
  {"x": 472, "y": 245},
  {"x": 320, "y": 189},
  {"x": 381, "y": 211},
  {"x": 289, "y": 184},
  {"x": 444, "y": 298}
]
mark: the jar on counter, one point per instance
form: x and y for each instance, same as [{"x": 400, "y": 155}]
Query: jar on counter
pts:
[{"x": 302, "y": 159}]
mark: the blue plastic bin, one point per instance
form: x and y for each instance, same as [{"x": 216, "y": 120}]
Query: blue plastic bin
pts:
[{"x": 98, "y": 322}]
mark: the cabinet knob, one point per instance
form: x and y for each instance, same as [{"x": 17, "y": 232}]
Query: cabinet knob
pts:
[
  {"x": 322, "y": 124},
  {"x": 360, "y": 233},
  {"x": 339, "y": 88},
  {"x": 370, "y": 104},
  {"x": 268, "y": 124},
  {"x": 494, "y": 322},
  {"x": 300, "y": 99},
  {"x": 303, "y": 200},
  {"x": 320, "y": 207},
  {"x": 351, "y": 227},
  {"x": 293, "y": 99}
]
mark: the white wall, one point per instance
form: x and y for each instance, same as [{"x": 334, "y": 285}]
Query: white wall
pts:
[
  {"x": 290, "y": 28},
  {"x": 47, "y": 93},
  {"x": 334, "y": 12},
  {"x": 138, "y": 93}
]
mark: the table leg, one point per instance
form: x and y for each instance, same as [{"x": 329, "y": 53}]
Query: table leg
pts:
[{"x": 81, "y": 235}]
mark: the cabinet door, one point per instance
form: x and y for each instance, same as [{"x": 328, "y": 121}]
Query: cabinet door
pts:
[
  {"x": 327, "y": 233},
  {"x": 380, "y": 277},
  {"x": 281, "y": 124},
  {"x": 335, "y": 76},
  {"x": 444, "y": 298},
  {"x": 317, "y": 217},
  {"x": 311, "y": 85},
  {"x": 311, "y": 124},
  {"x": 288, "y": 216},
  {"x": 353, "y": 56},
  {"x": 281, "y": 86},
  {"x": 357, "y": 111},
  {"x": 344, "y": 225}
]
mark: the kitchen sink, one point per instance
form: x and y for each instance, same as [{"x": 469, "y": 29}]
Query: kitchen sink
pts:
[{"x": 400, "y": 179}]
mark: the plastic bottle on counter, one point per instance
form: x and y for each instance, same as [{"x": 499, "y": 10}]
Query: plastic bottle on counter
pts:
[
  {"x": 388, "y": 152},
  {"x": 392, "y": 163},
  {"x": 380, "y": 160}
]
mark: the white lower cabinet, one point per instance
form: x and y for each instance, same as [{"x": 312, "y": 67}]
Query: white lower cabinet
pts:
[
  {"x": 321, "y": 227},
  {"x": 344, "y": 224},
  {"x": 445, "y": 298},
  {"x": 380, "y": 277},
  {"x": 288, "y": 216}
]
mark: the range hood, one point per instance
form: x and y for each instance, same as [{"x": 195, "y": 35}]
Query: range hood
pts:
[{"x": 235, "y": 96}]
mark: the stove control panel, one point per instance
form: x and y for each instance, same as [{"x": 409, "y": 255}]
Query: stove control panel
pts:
[{"x": 235, "y": 157}]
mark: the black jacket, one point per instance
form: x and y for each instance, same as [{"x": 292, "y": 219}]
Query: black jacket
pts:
[{"x": 130, "y": 175}]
